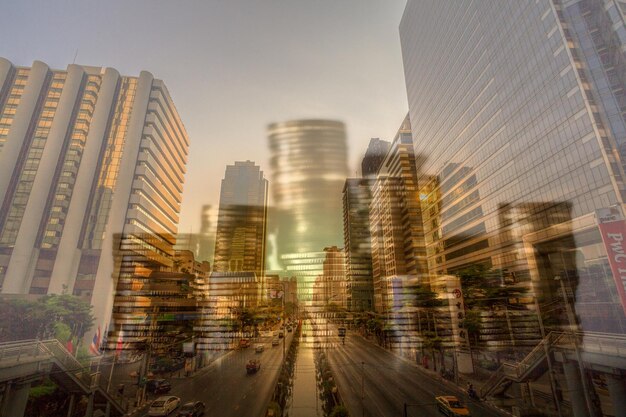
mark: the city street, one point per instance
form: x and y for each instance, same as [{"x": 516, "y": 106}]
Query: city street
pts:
[
  {"x": 225, "y": 387},
  {"x": 388, "y": 383}
]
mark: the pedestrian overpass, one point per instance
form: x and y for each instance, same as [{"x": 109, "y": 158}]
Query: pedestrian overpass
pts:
[
  {"x": 598, "y": 352},
  {"x": 25, "y": 362}
]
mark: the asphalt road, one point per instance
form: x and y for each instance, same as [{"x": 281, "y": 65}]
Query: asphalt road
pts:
[
  {"x": 388, "y": 383},
  {"x": 226, "y": 388}
]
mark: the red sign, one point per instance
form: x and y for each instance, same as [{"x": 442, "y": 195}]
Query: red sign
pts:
[{"x": 614, "y": 238}]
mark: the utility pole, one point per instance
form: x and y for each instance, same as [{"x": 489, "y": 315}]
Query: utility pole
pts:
[{"x": 283, "y": 322}]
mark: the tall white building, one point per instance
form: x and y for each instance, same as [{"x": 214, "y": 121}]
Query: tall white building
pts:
[{"x": 92, "y": 167}]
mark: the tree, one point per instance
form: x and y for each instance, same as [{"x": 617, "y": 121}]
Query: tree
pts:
[
  {"x": 486, "y": 291},
  {"x": 60, "y": 316},
  {"x": 72, "y": 311},
  {"x": 434, "y": 343}
]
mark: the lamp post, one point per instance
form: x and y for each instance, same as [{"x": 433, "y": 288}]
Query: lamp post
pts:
[{"x": 362, "y": 389}]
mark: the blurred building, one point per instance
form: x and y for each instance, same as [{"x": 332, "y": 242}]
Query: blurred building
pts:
[
  {"x": 92, "y": 167},
  {"x": 308, "y": 167},
  {"x": 330, "y": 286},
  {"x": 206, "y": 237},
  {"x": 232, "y": 296},
  {"x": 241, "y": 225},
  {"x": 357, "y": 197}
]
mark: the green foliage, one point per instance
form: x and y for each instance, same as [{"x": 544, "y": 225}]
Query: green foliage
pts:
[
  {"x": 60, "y": 316},
  {"x": 485, "y": 288},
  {"x": 62, "y": 331},
  {"x": 42, "y": 390},
  {"x": 340, "y": 411},
  {"x": 472, "y": 324}
]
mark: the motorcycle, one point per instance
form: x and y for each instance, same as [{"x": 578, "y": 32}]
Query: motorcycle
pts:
[{"x": 473, "y": 394}]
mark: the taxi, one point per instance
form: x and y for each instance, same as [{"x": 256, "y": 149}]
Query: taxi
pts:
[{"x": 451, "y": 406}]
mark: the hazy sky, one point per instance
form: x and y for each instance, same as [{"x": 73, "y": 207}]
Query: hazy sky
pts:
[{"x": 232, "y": 67}]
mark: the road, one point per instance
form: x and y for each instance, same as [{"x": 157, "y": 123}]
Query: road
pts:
[
  {"x": 225, "y": 387},
  {"x": 388, "y": 383}
]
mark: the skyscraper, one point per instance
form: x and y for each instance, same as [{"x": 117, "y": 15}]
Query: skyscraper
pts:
[
  {"x": 518, "y": 115},
  {"x": 309, "y": 166},
  {"x": 357, "y": 197},
  {"x": 92, "y": 166},
  {"x": 374, "y": 156},
  {"x": 241, "y": 224}
]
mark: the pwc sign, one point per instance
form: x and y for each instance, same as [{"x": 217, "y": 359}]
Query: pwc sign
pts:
[{"x": 613, "y": 230}]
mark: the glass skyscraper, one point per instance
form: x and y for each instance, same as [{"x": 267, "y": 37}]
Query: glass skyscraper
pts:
[{"x": 517, "y": 113}]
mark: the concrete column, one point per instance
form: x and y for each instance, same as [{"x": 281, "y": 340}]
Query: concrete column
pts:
[
  {"x": 5, "y": 69},
  {"x": 89, "y": 411},
  {"x": 70, "y": 408},
  {"x": 106, "y": 277},
  {"x": 19, "y": 272},
  {"x": 23, "y": 116},
  {"x": 575, "y": 389},
  {"x": 17, "y": 398},
  {"x": 68, "y": 255},
  {"x": 617, "y": 392}
]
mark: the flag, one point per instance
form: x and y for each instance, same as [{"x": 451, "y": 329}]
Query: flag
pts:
[
  {"x": 118, "y": 347},
  {"x": 69, "y": 346},
  {"x": 94, "y": 348}
]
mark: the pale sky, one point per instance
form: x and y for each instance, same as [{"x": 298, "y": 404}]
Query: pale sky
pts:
[{"x": 232, "y": 67}]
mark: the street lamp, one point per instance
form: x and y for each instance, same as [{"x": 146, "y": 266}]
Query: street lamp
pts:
[{"x": 362, "y": 389}]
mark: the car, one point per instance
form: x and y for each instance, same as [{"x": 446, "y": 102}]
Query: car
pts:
[
  {"x": 158, "y": 386},
  {"x": 281, "y": 334},
  {"x": 192, "y": 409},
  {"x": 451, "y": 406},
  {"x": 163, "y": 406},
  {"x": 275, "y": 342},
  {"x": 259, "y": 348},
  {"x": 244, "y": 343},
  {"x": 253, "y": 366},
  {"x": 289, "y": 329}
]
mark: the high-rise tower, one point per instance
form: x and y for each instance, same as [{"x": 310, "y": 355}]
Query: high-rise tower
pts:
[
  {"x": 309, "y": 167},
  {"x": 241, "y": 224},
  {"x": 92, "y": 166}
]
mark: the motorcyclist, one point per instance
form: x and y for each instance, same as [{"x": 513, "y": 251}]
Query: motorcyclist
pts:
[{"x": 471, "y": 391}]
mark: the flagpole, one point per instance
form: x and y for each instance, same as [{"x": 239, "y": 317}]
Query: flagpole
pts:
[{"x": 111, "y": 373}]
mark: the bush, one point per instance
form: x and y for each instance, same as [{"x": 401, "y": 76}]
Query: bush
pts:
[{"x": 339, "y": 411}]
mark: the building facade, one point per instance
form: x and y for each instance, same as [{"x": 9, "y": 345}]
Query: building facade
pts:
[
  {"x": 373, "y": 158},
  {"x": 357, "y": 197},
  {"x": 242, "y": 219},
  {"x": 518, "y": 115},
  {"x": 395, "y": 221},
  {"x": 92, "y": 166},
  {"x": 308, "y": 169}
]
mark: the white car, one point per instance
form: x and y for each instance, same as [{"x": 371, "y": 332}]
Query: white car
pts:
[
  {"x": 163, "y": 406},
  {"x": 259, "y": 348}
]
